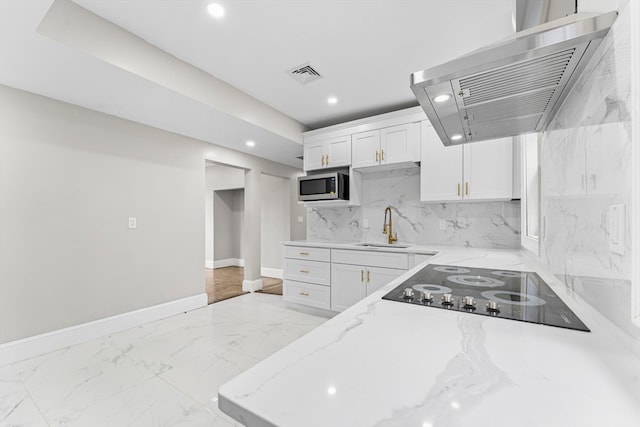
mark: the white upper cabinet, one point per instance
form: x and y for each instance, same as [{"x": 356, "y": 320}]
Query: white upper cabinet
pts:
[
  {"x": 388, "y": 146},
  {"x": 385, "y": 141},
  {"x": 476, "y": 171},
  {"x": 365, "y": 149},
  {"x": 327, "y": 153}
]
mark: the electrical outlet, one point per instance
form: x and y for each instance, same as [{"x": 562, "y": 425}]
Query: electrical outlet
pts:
[
  {"x": 365, "y": 223},
  {"x": 132, "y": 222},
  {"x": 443, "y": 225},
  {"x": 330, "y": 223},
  {"x": 300, "y": 219}
]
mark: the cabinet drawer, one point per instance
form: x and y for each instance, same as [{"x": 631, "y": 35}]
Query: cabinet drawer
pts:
[
  {"x": 371, "y": 258},
  {"x": 307, "y": 271},
  {"x": 307, "y": 294},
  {"x": 312, "y": 254}
]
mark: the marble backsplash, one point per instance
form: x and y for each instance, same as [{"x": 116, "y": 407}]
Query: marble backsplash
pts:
[
  {"x": 585, "y": 168},
  {"x": 466, "y": 224}
]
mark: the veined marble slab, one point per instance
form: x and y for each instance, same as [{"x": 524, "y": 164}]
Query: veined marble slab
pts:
[{"x": 384, "y": 363}]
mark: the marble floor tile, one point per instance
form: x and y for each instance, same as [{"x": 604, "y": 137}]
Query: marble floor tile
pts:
[
  {"x": 164, "y": 373},
  {"x": 17, "y": 408}
]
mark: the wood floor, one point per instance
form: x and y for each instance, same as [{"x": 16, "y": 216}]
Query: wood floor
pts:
[{"x": 226, "y": 282}]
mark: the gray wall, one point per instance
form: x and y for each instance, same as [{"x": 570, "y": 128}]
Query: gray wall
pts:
[
  {"x": 274, "y": 220},
  {"x": 228, "y": 218},
  {"x": 218, "y": 177},
  {"x": 69, "y": 179}
]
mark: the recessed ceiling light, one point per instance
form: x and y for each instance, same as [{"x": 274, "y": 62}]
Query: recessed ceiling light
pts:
[
  {"x": 442, "y": 98},
  {"x": 332, "y": 100},
  {"x": 215, "y": 10},
  {"x": 456, "y": 137},
  {"x": 251, "y": 144}
]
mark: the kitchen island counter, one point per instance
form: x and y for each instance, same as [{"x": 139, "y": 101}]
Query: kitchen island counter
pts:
[{"x": 385, "y": 363}]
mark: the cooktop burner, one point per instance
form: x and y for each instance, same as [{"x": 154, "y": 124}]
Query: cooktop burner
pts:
[{"x": 515, "y": 295}]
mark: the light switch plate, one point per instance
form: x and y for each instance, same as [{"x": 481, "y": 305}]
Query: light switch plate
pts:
[
  {"x": 132, "y": 222},
  {"x": 443, "y": 225},
  {"x": 365, "y": 223},
  {"x": 617, "y": 228},
  {"x": 300, "y": 219}
]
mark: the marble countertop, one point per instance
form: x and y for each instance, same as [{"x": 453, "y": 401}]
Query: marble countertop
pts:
[{"x": 383, "y": 363}]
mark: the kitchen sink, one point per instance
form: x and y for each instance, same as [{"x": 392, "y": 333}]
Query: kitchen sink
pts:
[{"x": 381, "y": 245}]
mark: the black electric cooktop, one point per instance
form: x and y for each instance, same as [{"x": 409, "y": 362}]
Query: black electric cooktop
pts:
[{"x": 515, "y": 295}]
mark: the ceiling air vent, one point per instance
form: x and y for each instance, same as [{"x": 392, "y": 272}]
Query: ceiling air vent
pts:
[{"x": 304, "y": 74}]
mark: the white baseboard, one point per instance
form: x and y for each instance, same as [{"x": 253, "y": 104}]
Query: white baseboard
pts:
[
  {"x": 208, "y": 264},
  {"x": 276, "y": 273},
  {"x": 251, "y": 285},
  {"x": 37, "y": 345},
  {"x": 229, "y": 262}
]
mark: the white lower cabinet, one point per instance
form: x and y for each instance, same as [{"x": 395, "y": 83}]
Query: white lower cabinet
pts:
[
  {"x": 335, "y": 279},
  {"x": 307, "y": 293},
  {"x": 307, "y": 276},
  {"x": 357, "y": 274}
]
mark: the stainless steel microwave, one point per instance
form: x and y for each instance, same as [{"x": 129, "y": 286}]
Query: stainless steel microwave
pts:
[{"x": 326, "y": 186}]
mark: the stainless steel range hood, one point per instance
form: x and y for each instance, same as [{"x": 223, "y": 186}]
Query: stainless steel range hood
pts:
[{"x": 512, "y": 87}]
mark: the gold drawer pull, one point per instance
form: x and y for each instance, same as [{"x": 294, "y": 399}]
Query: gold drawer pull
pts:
[
  {"x": 323, "y": 160},
  {"x": 466, "y": 188},
  {"x": 361, "y": 276},
  {"x": 304, "y": 294},
  {"x": 383, "y": 155},
  {"x": 304, "y": 271},
  {"x": 377, "y": 155},
  {"x": 368, "y": 276},
  {"x": 304, "y": 253},
  {"x": 327, "y": 160},
  {"x": 458, "y": 189}
]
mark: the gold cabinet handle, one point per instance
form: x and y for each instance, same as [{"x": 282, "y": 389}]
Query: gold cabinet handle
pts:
[
  {"x": 327, "y": 160},
  {"x": 304, "y": 294},
  {"x": 368, "y": 276},
  {"x": 361, "y": 276},
  {"x": 383, "y": 155},
  {"x": 304, "y": 271},
  {"x": 466, "y": 188},
  {"x": 377, "y": 156},
  {"x": 304, "y": 253},
  {"x": 458, "y": 189},
  {"x": 323, "y": 160}
]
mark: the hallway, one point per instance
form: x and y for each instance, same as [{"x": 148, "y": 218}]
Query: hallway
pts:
[{"x": 226, "y": 282}]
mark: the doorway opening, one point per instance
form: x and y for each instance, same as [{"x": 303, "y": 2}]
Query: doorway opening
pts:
[{"x": 224, "y": 229}]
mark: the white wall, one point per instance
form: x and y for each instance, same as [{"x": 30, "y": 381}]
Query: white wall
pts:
[
  {"x": 586, "y": 167},
  {"x": 69, "y": 179}
]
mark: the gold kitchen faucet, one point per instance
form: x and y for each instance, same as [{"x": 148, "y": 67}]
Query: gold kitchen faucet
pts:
[{"x": 388, "y": 229}]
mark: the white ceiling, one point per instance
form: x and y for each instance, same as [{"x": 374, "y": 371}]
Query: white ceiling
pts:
[{"x": 365, "y": 51}]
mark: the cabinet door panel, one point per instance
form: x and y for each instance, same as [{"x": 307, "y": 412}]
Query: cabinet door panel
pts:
[
  {"x": 488, "y": 169},
  {"x": 313, "y": 156},
  {"x": 379, "y": 277},
  {"x": 364, "y": 147},
  {"x": 338, "y": 151},
  {"x": 399, "y": 143},
  {"x": 440, "y": 168},
  {"x": 348, "y": 285}
]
